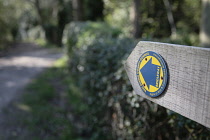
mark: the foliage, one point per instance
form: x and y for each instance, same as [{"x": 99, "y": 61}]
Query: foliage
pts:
[
  {"x": 9, "y": 18},
  {"x": 32, "y": 19},
  {"x": 17, "y": 20},
  {"x": 154, "y": 21},
  {"x": 83, "y": 33},
  {"x": 117, "y": 13},
  {"x": 182, "y": 38},
  {"x": 113, "y": 108},
  {"x": 52, "y": 16}
]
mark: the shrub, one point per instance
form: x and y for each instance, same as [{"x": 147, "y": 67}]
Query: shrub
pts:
[
  {"x": 77, "y": 34},
  {"x": 114, "y": 111}
]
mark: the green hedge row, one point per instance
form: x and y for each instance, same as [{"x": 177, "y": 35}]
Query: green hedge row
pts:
[{"x": 96, "y": 55}]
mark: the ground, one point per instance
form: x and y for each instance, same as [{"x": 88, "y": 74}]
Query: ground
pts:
[{"x": 18, "y": 68}]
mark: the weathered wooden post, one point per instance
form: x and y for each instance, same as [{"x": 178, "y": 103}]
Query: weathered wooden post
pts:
[{"x": 174, "y": 76}]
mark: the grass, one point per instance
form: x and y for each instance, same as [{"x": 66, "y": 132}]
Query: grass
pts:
[
  {"x": 48, "y": 117},
  {"x": 49, "y": 103},
  {"x": 43, "y": 43}
]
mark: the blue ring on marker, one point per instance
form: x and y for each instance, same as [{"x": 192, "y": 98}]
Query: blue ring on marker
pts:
[{"x": 165, "y": 74}]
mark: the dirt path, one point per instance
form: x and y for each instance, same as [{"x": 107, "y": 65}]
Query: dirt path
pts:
[{"x": 19, "y": 67}]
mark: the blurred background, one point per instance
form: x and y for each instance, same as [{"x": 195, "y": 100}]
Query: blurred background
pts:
[{"x": 86, "y": 94}]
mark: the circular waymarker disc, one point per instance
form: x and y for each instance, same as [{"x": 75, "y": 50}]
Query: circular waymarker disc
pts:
[{"x": 152, "y": 73}]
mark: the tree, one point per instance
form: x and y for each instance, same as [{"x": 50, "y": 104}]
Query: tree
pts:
[
  {"x": 78, "y": 10},
  {"x": 10, "y": 13},
  {"x": 205, "y": 24},
  {"x": 94, "y": 9},
  {"x": 170, "y": 17},
  {"x": 53, "y": 16},
  {"x": 136, "y": 19}
]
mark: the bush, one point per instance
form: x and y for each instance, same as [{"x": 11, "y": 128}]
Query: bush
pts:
[
  {"x": 114, "y": 111},
  {"x": 77, "y": 34}
]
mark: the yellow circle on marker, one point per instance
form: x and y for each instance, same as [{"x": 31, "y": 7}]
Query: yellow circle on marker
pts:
[{"x": 152, "y": 73}]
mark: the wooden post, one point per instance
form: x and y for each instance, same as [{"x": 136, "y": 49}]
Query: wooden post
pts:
[{"x": 188, "y": 89}]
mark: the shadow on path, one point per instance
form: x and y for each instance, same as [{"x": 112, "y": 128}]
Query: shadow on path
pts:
[{"x": 19, "y": 67}]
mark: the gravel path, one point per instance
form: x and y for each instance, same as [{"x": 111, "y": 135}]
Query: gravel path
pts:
[{"x": 19, "y": 67}]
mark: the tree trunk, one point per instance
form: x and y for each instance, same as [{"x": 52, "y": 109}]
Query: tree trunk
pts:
[
  {"x": 136, "y": 19},
  {"x": 39, "y": 11},
  {"x": 205, "y": 24},
  {"x": 170, "y": 17},
  {"x": 78, "y": 10},
  {"x": 94, "y": 10},
  {"x": 54, "y": 32}
]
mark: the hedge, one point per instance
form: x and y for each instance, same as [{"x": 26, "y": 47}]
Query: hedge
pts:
[{"x": 96, "y": 53}]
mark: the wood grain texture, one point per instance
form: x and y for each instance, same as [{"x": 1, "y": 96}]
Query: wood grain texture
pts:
[{"x": 188, "y": 91}]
